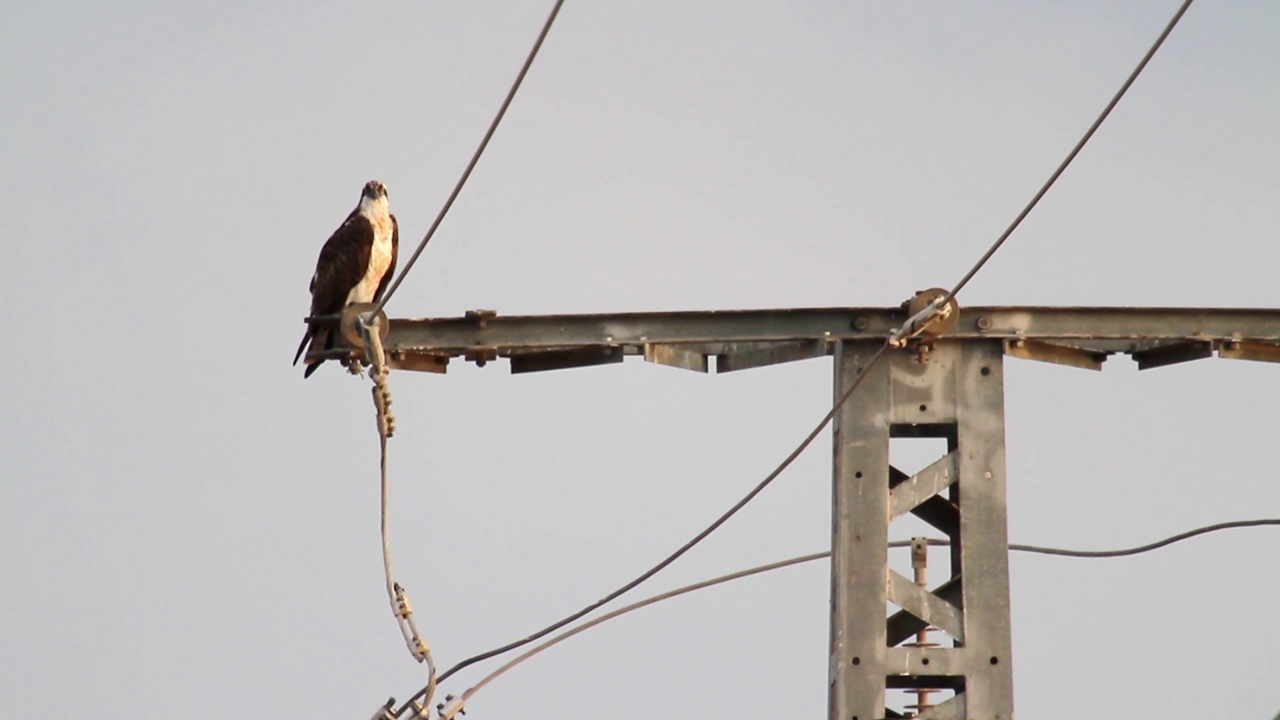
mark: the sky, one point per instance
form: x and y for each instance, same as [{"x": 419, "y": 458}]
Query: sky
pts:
[{"x": 187, "y": 527}]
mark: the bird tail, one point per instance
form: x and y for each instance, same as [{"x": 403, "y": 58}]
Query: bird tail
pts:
[
  {"x": 315, "y": 335},
  {"x": 302, "y": 345}
]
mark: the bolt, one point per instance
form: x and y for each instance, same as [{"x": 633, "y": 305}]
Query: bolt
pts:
[
  {"x": 859, "y": 323},
  {"x": 984, "y": 323}
]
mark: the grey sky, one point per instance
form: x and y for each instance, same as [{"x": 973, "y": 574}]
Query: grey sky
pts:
[{"x": 190, "y": 529}]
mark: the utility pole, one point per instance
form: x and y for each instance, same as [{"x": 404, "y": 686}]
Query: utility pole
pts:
[
  {"x": 946, "y": 383},
  {"x": 942, "y": 389}
]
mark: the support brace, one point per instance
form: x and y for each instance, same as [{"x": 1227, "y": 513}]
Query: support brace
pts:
[{"x": 955, "y": 392}]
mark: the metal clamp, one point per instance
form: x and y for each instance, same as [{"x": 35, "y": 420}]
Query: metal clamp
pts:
[
  {"x": 933, "y": 312},
  {"x": 451, "y": 707}
]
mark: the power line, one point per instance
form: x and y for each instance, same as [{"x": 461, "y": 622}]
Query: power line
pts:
[
  {"x": 396, "y": 594},
  {"x": 475, "y": 158},
  {"x": 623, "y": 611},
  {"x": 470, "y": 692},
  {"x": 1148, "y": 547},
  {"x": 804, "y": 444},
  {"x": 845, "y": 397},
  {"x": 1070, "y": 156}
]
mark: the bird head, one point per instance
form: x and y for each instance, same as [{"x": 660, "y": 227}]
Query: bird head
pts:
[{"x": 374, "y": 189}]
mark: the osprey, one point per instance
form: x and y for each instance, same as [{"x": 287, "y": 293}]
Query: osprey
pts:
[{"x": 355, "y": 265}]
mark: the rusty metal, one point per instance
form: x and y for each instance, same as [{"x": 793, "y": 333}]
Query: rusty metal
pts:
[
  {"x": 420, "y": 362},
  {"x": 564, "y": 359},
  {"x": 930, "y": 313},
  {"x": 675, "y": 356},
  {"x": 1052, "y": 353},
  {"x": 1246, "y": 350},
  {"x": 919, "y": 568},
  {"x": 480, "y": 356},
  {"x": 763, "y": 354},
  {"x": 941, "y": 323},
  {"x": 482, "y": 317},
  {"x": 1173, "y": 353},
  {"x": 1076, "y": 334}
]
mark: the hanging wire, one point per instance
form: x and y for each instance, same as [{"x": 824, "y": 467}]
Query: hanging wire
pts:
[
  {"x": 398, "y": 598},
  {"x": 382, "y": 393},
  {"x": 1038, "y": 549},
  {"x": 938, "y": 304},
  {"x": 475, "y": 158},
  {"x": 804, "y": 444},
  {"x": 1126, "y": 552}
]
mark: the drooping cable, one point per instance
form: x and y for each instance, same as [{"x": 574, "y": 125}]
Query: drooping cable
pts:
[
  {"x": 635, "y": 606},
  {"x": 1038, "y": 549},
  {"x": 475, "y": 158},
  {"x": 938, "y": 304},
  {"x": 804, "y": 444},
  {"x": 1126, "y": 552},
  {"x": 1070, "y": 156},
  {"x": 396, "y": 594}
]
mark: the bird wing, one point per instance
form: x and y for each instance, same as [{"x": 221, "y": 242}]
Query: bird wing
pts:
[{"x": 343, "y": 261}]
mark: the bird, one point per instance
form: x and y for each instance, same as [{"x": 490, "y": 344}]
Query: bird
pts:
[{"x": 355, "y": 266}]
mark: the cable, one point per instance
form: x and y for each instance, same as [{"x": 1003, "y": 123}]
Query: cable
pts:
[
  {"x": 938, "y": 304},
  {"x": 475, "y": 158},
  {"x": 818, "y": 556},
  {"x": 636, "y": 606},
  {"x": 839, "y": 403},
  {"x": 687, "y": 546},
  {"x": 1148, "y": 547},
  {"x": 1070, "y": 156},
  {"x": 399, "y": 599}
]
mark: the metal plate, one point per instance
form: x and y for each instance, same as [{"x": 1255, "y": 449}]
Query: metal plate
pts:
[
  {"x": 350, "y": 323},
  {"x": 940, "y": 325}
]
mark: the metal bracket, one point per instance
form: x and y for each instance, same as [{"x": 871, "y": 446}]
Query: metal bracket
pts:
[
  {"x": 1173, "y": 353},
  {"x": 423, "y": 362},
  {"x": 675, "y": 356},
  {"x": 929, "y": 316},
  {"x": 350, "y": 323},
  {"x": 562, "y": 359},
  {"x": 744, "y": 356},
  {"x": 1247, "y": 350},
  {"x": 481, "y": 316},
  {"x": 1058, "y": 354}
]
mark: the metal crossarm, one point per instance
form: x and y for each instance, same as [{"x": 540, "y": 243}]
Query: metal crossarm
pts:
[{"x": 741, "y": 339}]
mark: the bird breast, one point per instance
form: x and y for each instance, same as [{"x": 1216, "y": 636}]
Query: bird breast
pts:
[{"x": 379, "y": 258}]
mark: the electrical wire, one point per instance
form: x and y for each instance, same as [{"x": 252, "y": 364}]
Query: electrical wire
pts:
[
  {"x": 831, "y": 414},
  {"x": 396, "y": 594},
  {"x": 1070, "y": 156},
  {"x": 1126, "y": 552},
  {"x": 636, "y": 606},
  {"x": 1038, "y": 549},
  {"x": 475, "y": 158},
  {"x": 804, "y": 444},
  {"x": 839, "y": 403}
]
